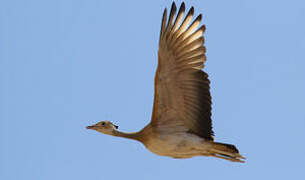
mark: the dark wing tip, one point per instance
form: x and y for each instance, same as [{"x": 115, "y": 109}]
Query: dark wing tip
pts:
[
  {"x": 164, "y": 13},
  {"x": 182, "y": 8},
  {"x": 191, "y": 10},
  {"x": 199, "y": 17},
  {"x": 172, "y": 14},
  {"x": 163, "y": 23},
  {"x": 203, "y": 28},
  {"x": 173, "y": 8},
  {"x": 164, "y": 17},
  {"x": 182, "y": 5}
]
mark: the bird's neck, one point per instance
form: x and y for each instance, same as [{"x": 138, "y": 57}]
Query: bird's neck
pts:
[{"x": 134, "y": 136}]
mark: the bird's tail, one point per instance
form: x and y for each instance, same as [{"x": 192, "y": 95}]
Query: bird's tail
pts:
[{"x": 226, "y": 151}]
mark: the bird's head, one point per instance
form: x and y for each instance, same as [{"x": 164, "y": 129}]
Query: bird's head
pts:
[{"x": 105, "y": 127}]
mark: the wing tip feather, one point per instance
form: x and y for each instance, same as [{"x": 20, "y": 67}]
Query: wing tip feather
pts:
[{"x": 174, "y": 7}]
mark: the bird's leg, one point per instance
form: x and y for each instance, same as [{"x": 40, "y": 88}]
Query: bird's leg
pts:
[
  {"x": 235, "y": 155},
  {"x": 226, "y": 158}
]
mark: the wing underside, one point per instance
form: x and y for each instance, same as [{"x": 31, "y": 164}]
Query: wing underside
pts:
[{"x": 182, "y": 92}]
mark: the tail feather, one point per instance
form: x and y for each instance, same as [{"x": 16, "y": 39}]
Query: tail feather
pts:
[
  {"x": 226, "y": 151},
  {"x": 226, "y": 147}
]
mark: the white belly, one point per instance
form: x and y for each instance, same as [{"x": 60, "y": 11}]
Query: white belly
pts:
[{"x": 179, "y": 145}]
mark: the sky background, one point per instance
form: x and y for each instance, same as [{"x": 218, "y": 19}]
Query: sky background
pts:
[{"x": 66, "y": 64}]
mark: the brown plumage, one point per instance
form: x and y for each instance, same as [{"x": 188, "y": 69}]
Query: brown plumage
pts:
[{"x": 181, "y": 125}]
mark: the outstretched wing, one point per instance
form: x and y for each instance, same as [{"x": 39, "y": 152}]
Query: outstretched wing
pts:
[{"x": 182, "y": 94}]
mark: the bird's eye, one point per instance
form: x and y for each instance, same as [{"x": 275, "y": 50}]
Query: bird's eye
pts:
[{"x": 103, "y": 124}]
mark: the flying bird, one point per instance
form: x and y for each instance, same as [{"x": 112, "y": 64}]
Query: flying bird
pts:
[{"x": 181, "y": 125}]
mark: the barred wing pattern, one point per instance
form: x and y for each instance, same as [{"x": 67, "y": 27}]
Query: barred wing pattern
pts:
[{"x": 182, "y": 92}]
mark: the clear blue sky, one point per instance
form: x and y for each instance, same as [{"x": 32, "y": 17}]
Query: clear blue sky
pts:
[{"x": 65, "y": 64}]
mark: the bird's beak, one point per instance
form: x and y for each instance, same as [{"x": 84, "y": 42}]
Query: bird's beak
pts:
[{"x": 91, "y": 127}]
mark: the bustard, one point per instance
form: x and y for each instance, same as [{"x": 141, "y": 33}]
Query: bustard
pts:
[{"x": 181, "y": 124}]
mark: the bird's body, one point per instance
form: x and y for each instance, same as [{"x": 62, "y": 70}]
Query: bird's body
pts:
[
  {"x": 177, "y": 145},
  {"x": 181, "y": 125}
]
